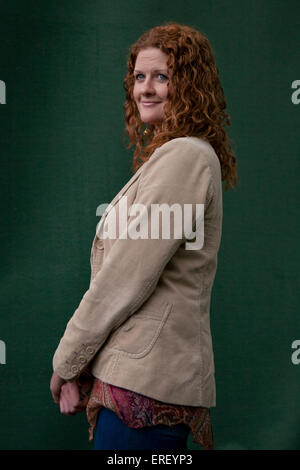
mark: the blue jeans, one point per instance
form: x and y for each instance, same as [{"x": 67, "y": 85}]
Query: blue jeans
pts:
[{"x": 112, "y": 434}]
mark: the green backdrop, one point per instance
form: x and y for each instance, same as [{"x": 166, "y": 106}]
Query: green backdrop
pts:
[{"x": 62, "y": 155}]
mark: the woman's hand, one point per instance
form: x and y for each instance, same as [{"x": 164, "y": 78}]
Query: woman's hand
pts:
[
  {"x": 85, "y": 382},
  {"x": 72, "y": 397},
  {"x": 71, "y": 400},
  {"x": 55, "y": 386}
]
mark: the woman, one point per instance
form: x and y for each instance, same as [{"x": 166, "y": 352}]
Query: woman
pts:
[{"x": 141, "y": 334}]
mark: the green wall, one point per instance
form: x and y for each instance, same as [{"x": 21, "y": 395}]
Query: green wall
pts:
[{"x": 62, "y": 155}]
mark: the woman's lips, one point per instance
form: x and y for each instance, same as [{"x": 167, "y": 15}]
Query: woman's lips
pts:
[{"x": 150, "y": 103}]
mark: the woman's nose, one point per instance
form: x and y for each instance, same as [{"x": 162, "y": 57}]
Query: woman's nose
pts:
[{"x": 147, "y": 86}]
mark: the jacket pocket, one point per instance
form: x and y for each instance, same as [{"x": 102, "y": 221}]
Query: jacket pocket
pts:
[{"x": 138, "y": 334}]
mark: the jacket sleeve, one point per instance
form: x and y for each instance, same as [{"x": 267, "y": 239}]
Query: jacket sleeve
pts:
[{"x": 177, "y": 173}]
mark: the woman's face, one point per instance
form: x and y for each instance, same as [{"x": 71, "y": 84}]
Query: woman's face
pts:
[{"x": 151, "y": 84}]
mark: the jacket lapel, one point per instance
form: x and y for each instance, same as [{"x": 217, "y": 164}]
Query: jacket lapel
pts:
[{"x": 119, "y": 195}]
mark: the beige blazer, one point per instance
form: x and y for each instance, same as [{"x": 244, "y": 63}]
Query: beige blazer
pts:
[{"x": 144, "y": 322}]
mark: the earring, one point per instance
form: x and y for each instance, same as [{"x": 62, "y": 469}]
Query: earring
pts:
[{"x": 147, "y": 131}]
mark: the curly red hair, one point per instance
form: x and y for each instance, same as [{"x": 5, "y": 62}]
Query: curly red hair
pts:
[{"x": 196, "y": 102}]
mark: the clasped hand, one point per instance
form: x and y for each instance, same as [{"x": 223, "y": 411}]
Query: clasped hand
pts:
[{"x": 72, "y": 397}]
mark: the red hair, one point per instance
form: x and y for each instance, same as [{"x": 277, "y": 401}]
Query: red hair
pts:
[{"x": 195, "y": 104}]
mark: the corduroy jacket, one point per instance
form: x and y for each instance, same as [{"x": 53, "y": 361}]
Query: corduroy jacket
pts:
[{"x": 144, "y": 322}]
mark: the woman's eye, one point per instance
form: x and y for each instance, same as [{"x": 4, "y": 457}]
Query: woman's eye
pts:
[
  {"x": 159, "y": 75},
  {"x": 164, "y": 77}
]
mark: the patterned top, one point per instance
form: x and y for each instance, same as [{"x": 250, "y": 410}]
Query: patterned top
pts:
[{"x": 137, "y": 411}]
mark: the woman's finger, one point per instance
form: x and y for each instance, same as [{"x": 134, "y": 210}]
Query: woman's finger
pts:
[{"x": 66, "y": 405}]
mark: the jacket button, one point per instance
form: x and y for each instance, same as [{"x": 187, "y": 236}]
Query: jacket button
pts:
[
  {"x": 74, "y": 369},
  {"x": 82, "y": 359},
  {"x": 90, "y": 350}
]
